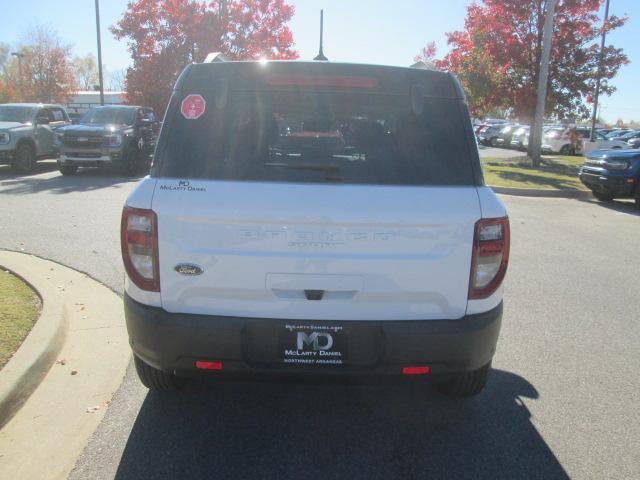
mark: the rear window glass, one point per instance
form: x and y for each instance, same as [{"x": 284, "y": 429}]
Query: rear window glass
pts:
[
  {"x": 319, "y": 137},
  {"x": 109, "y": 115}
]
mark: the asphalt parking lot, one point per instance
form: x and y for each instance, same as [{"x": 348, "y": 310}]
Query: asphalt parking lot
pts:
[{"x": 562, "y": 402}]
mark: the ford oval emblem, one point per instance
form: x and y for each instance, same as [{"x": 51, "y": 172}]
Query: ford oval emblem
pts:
[{"x": 188, "y": 269}]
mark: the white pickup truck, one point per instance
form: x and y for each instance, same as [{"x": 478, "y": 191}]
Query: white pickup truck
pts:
[{"x": 307, "y": 217}]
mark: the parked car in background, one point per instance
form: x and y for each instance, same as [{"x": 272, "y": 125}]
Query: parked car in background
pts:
[
  {"x": 119, "y": 136},
  {"x": 629, "y": 137},
  {"x": 489, "y": 135},
  {"x": 612, "y": 174},
  {"x": 520, "y": 138},
  {"x": 496, "y": 121},
  {"x": 634, "y": 142},
  {"x": 565, "y": 142},
  {"x": 27, "y": 133},
  {"x": 504, "y": 137},
  {"x": 618, "y": 132}
]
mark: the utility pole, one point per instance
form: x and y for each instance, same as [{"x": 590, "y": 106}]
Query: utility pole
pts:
[
  {"x": 599, "y": 74},
  {"x": 99, "y": 53},
  {"x": 20, "y": 56},
  {"x": 535, "y": 138}
]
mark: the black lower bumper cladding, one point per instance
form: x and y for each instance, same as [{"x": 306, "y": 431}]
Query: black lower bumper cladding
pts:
[
  {"x": 617, "y": 186},
  {"x": 175, "y": 341}
]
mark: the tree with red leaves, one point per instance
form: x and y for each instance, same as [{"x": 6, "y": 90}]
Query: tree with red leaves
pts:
[
  {"x": 165, "y": 35},
  {"x": 497, "y": 56}
]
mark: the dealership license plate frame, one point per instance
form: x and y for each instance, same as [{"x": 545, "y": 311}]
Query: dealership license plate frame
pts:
[{"x": 323, "y": 345}]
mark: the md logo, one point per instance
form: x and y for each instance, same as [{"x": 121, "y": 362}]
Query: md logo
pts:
[{"x": 316, "y": 340}]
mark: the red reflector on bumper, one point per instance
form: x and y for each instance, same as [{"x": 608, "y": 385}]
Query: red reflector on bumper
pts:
[
  {"x": 202, "y": 365},
  {"x": 415, "y": 370}
]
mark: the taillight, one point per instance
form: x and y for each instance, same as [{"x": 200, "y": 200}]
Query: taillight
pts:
[
  {"x": 490, "y": 256},
  {"x": 139, "y": 242}
]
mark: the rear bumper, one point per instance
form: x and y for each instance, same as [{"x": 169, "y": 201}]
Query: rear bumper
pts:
[{"x": 173, "y": 342}]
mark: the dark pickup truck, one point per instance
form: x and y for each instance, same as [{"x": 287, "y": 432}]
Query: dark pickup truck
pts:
[
  {"x": 612, "y": 174},
  {"x": 117, "y": 136}
]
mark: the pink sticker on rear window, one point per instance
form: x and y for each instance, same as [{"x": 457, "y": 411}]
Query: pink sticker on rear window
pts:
[{"x": 193, "y": 106}]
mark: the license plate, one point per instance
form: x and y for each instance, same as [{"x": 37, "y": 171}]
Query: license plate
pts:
[{"x": 312, "y": 345}]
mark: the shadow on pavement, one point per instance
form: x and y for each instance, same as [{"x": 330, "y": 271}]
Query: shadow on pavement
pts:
[
  {"x": 86, "y": 179},
  {"x": 279, "y": 429},
  {"x": 621, "y": 206},
  {"x": 42, "y": 166}
]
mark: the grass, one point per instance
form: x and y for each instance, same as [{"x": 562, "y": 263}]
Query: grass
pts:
[
  {"x": 19, "y": 309},
  {"x": 555, "y": 173}
]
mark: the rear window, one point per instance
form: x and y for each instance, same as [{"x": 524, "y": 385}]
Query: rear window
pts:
[
  {"x": 109, "y": 115},
  {"x": 306, "y": 135}
]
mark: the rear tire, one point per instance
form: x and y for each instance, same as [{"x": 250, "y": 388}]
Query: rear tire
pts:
[
  {"x": 465, "y": 384},
  {"x": 494, "y": 142},
  {"x": 603, "y": 197},
  {"x": 68, "y": 170},
  {"x": 155, "y": 379},
  {"x": 25, "y": 158}
]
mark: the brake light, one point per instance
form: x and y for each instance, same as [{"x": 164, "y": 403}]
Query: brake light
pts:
[
  {"x": 139, "y": 243},
  {"x": 490, "y": 256},
  {"x": 322, "y": 81}
]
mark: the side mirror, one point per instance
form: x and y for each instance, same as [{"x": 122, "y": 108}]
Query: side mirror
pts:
[{"x": 42, "y": 120}]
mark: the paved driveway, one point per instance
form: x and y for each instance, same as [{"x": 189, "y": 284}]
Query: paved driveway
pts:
[{"x": 563, "y": 399}]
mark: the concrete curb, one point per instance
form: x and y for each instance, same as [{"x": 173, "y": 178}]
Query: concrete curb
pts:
[
  {"x": 39, "y": 350},
  {"x": 46, "y": 435},
  {"x": 533, "y": 192}
]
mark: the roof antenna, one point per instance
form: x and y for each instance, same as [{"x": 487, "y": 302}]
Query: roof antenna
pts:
[{"x": 320, "y": 55}]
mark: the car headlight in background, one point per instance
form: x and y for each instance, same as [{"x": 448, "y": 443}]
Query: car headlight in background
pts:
[
  {"x": 57, "y": 139},
  {"x": 4, "y": 138},
  {"x": 114, "y": 140},
  {"x": 615, "y": 164}
]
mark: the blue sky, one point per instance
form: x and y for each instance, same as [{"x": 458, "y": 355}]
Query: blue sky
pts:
[{"x": 367, "y": 31}]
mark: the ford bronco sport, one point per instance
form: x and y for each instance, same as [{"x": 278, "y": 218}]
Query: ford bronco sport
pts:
[
  {"x": 27, "y": 133},
  {"x": 307, "y": 217}
]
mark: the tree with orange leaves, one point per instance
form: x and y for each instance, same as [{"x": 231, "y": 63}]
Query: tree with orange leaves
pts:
[
  {"x": 497, "y": 56},
  {"x": 165, "y": 35}
]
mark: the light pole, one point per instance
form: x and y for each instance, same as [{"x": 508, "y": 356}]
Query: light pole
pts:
[
  {"x": 599, "y": 74},
  {"x": 99, "y": 53},
  {"x": 20, "y": 56},
  {"x": 320, "y": 55}
]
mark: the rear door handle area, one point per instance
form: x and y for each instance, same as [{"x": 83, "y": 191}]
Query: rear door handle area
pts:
[{"x": 314, "y": 287}]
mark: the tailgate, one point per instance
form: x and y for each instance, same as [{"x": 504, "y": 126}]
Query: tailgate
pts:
[{"x": 317, "y": 252}]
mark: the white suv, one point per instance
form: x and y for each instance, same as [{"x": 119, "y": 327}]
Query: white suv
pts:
[{"x": 307, "y": 217}]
